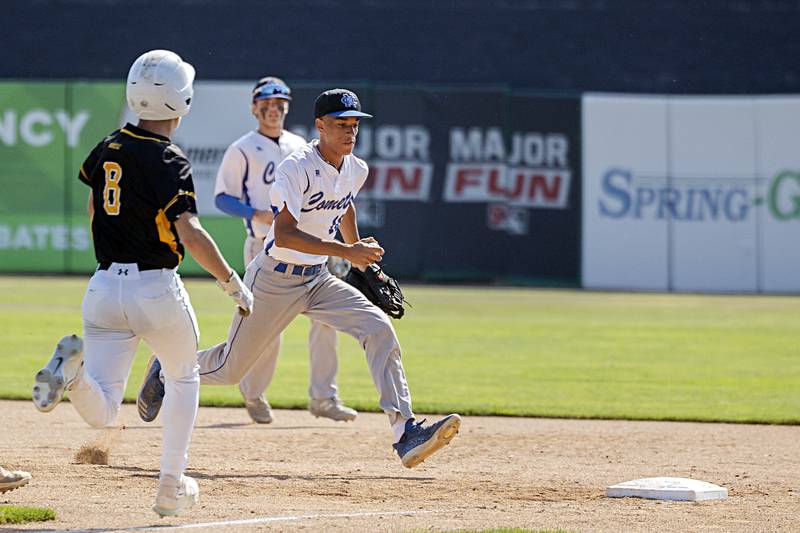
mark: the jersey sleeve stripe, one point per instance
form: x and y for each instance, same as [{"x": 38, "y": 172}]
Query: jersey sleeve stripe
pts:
[{"x": 176, "y": 197}]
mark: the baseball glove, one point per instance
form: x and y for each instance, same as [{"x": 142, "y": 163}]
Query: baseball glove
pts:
[{"x": 380, "y": 289}]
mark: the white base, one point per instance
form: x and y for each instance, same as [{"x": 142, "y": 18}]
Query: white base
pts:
[{"x": 668, "y": 488}]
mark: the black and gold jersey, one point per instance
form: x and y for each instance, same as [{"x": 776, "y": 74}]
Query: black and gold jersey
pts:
[{"x": 141, "y": 183}]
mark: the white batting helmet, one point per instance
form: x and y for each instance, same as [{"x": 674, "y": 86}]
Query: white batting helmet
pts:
[{"x": 160, "y": 86}]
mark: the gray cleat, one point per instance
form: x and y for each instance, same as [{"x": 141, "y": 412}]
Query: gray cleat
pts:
[
  {"x": 259, "y": 410},
  {"x": 63, "y": 369},
  {"x": 332, "y": 408}
]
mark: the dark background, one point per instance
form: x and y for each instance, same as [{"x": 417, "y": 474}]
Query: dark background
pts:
[{"x": 712, "y": 46}]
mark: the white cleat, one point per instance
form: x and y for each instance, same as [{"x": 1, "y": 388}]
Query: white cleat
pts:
[
  {"x": 60, "y": 373},
  {"x": 12, "y": 480},
  {"x": 175, "y": 494}
]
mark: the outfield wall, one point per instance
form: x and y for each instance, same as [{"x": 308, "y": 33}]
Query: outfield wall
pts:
[
  {"x": 604, "y": 191},
  {"x": 691, "y": 194},
  {"x": 477, "y": 185}
]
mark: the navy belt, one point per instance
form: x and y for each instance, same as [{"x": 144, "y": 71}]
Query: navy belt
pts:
[{"x": 298, "y": 270}]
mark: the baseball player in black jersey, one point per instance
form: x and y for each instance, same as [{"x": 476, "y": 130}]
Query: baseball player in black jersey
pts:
[{"x": 142, "y": 204}]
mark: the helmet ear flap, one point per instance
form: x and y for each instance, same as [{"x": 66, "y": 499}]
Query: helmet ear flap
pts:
[{"x": 159, "y": 86}]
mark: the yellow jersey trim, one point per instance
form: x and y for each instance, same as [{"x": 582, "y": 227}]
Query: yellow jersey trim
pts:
[
  {"x": 165, "y": 233},
  {"x": 129, "y": 132},
  {"x": 175, "y": 199},
  {"x": 83, "y": 173}
]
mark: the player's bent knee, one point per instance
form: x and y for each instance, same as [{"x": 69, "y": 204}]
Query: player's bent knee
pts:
[
  {"x": 182, "y": 372},
  {"x": 382, "y": 340},
  {"x": 102, "y": 419}
]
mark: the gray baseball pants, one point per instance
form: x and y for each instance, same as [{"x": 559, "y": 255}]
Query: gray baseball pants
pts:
[
  {"x": 323, "y": 360},
  {"x": 279, "y": 298}
]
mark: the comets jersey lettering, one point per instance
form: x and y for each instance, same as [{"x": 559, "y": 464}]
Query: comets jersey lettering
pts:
[
  {"x": 141, "y": 182},
  {"x": 316, "y": 195},
  {"x": 248, "y": 169}
]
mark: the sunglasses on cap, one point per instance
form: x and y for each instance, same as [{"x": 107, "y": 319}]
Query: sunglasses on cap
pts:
[{"x": 272, "y": 90}]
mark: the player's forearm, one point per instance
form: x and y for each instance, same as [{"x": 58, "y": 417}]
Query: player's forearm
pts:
[
  {"x": 202, "y": 247},
  {"x": 233, "y": 206},
  {"x": 349, "y": 226},
  {"x": 205, "y": 252},
  {"x": 296, "y": 239}
]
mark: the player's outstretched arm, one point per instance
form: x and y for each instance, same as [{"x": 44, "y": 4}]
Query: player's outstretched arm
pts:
[
  {"x": 204, "y": 250},
  {"x": 202, "y": 247},
  {"x": 288, "y": 235},
  {"x": 235, "y": 207}
]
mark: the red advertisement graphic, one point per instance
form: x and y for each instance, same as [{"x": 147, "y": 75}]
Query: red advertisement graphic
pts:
[
  {"x": 496, "y": 182},
  {"x": 398, "y": 180}
]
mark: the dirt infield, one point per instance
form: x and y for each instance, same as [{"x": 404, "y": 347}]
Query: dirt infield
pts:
[{"x": 302, "y": 473}]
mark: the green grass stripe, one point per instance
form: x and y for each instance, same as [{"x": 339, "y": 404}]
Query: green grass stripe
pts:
[
  {"x": 13, "y": 514},
  {"x": 507, "y": 351}
]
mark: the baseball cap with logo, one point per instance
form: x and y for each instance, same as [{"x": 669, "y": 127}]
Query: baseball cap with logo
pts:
[
  {"x": 338, "y": 103},
  {"x": 271, "y": 87}
]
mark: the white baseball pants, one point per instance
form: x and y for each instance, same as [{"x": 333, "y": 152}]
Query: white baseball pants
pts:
[{"x": 121, "y": 307}]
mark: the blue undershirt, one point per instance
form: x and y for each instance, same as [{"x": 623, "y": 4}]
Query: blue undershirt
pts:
[{"x": 233, "y": 206}]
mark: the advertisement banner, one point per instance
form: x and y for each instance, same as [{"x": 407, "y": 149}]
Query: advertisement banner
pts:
[
  {"x": 710, "y": 197},
  {"x": 778, "y": 156},
  {"x": 45, "y": 131},
  {"x": 507, "y": 199},
  {"x": 625, "y": 164},
  {"x": 719, "y": 212},
  {"x": 457, "y": 179}
]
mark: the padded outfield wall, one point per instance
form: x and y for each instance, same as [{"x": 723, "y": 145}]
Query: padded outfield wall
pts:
[
  {"x": 691, "y": 193},
  {"x": 607, "y": 191}
]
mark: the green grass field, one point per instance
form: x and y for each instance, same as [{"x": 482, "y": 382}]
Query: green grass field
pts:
[
  {"x": 509, "y": 351},
  {"x": 14, "y": 514}
]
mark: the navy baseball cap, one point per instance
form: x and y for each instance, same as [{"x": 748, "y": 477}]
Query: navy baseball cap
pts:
[
  {"x": 338, "y": 103},
  {"x": 271, "y": 87}
]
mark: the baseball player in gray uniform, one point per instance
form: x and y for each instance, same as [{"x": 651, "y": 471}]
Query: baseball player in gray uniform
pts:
[
  {"x": 143, "y": 212},
  {"x": 312, "y": 198},
  {"x": 244, "y": 179}
]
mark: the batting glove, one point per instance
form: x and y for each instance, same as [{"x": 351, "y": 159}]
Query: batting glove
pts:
[{"x": 238, "y": 292}]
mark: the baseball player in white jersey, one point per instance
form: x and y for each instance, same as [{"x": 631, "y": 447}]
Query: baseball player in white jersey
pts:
[
  {"x": 312, "y": 198},
  {"x": 244, "y": 180},
  {"x": 143, "y": 212}
]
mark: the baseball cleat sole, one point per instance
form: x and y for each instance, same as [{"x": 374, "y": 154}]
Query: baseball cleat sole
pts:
[
  {"x": 8, "y": 487},
  {"x": 151, "y": 393},
  {"x": 51, "y": 381},
  {"x": 439, "y": 440}
]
